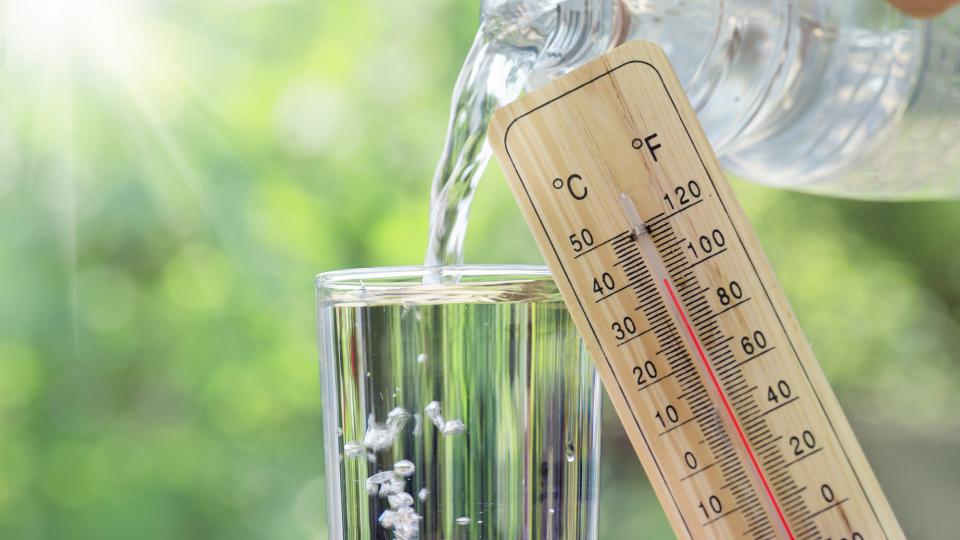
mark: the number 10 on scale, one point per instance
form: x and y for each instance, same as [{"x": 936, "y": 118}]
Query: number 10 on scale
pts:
[{"x": 721, "y": 395}]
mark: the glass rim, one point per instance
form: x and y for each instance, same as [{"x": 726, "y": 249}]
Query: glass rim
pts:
[{"x": 473, "y": 283}]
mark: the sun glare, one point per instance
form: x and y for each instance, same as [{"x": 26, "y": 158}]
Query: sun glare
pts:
[{"x": 105, "y": 34}]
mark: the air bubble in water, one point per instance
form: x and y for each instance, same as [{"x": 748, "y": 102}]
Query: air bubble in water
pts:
[
  {"x": 454, "y": 426},
  {"x": 388, "y": 519},
  {"x": 463, "y": 520},
  {"x": 432, "y": 411},
  {"x": 400, "y": 500},
  {"x": 421, "y": 358},
  {"x": 401, "y": 518},
  {"x": 424, "y": 493},
  {"x": 353, "y": 449},
  {"x": 381, "y": 436},
  {"x": 388, "y": 481},
  {"x": 404, "y": 467},
  {"x": 404, "y": 522},
  {"x": 446, "y": 427},
  {"x": 397, "y": 414}
]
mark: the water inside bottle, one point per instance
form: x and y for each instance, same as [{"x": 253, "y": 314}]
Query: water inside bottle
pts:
[{"x": 792, "y": 95}]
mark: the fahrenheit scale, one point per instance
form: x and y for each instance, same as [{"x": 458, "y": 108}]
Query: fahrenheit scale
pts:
[{"x": 696, "y": 345}]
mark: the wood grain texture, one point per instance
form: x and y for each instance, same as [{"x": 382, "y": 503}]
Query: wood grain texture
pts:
[{"x": 713, "y": 379}]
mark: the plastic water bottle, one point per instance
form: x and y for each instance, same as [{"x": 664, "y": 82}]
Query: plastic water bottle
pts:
[{"x": 848, "y": 98}]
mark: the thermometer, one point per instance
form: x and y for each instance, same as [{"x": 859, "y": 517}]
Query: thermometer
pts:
[{"x": 712, "y": 377}]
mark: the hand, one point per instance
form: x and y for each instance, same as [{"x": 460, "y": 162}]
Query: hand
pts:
[{"x": 923, "y": 8}]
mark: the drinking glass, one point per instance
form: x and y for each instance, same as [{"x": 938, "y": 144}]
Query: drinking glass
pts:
[{"x": 459, "y": 402}]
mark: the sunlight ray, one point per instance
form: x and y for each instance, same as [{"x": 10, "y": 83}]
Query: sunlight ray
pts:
[
  {"x": 111, "y": 39},
  {"x": 53, "y": 116}
]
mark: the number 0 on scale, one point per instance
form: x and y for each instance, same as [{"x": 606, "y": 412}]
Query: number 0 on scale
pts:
[{"x": 718, "y": 389}]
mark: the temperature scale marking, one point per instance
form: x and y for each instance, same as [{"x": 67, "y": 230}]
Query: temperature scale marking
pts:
[{"x": 710, "y": 374}]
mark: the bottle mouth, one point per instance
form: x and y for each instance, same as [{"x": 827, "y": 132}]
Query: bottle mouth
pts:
[
  {"x": 582, "y": 30},
  {"x": 421, "y": 285},
  {"x": 519, "y": 24}
]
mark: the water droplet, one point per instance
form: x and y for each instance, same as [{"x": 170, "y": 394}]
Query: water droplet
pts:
[
  {"x": 421, "y": 358},
  {"x": 424, "y": 493},
  {"x": 463, "y": 520}
]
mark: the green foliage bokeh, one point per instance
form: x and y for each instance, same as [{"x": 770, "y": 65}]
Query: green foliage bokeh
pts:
[{"x": 165, "y": 209}]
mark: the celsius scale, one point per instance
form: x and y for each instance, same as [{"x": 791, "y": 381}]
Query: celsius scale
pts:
[{"x": 712, "y": 377}]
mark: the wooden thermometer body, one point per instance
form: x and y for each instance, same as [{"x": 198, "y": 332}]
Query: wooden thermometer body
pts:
[{"x": 719, "y": 391}]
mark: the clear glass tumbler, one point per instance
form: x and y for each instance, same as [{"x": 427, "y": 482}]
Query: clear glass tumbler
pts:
[{"x": 460, "y": 403}]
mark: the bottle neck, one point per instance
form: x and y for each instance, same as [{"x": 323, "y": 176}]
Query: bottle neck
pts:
[
  {"x": 728, "y": 54},
  {"x": 582, "y": 30}
]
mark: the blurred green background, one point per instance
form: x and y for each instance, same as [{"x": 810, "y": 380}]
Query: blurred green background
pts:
[{"x": 172, "y": 175}]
